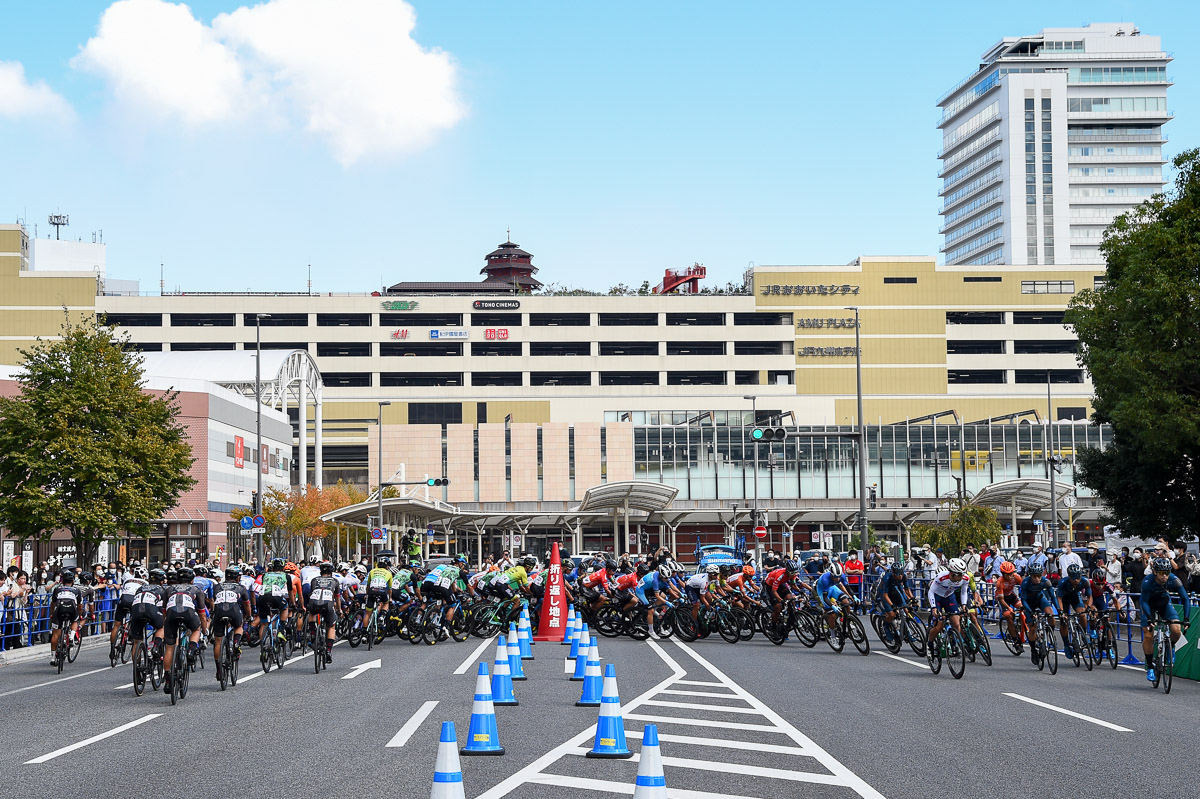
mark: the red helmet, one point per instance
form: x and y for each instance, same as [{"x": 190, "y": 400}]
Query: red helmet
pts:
[{"x": 1007, "y": 567}]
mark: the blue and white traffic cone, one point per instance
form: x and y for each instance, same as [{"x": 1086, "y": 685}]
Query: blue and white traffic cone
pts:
[
  {"x": 447, "y": 774},
  {"x": 572, "y": 626},
  {"x": 610, "y": 728},
  {"x": 593, "y": 683},
  {"x": 569, "y": 667},
  {"x": 581, "y": 657},
  {"x": 482, "y": 738},
  {"x": 651, "y": 782},
  {"x": 502, "y": 686},
  {"x": 525, "y": 635},
  {"x": 515, "y": 670}
]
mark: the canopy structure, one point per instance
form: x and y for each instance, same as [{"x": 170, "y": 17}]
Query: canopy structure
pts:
[
  {"x": 1027, "y": 494},
  {"x": 629, "y": 495},
  {"x": 287, "y": 378}
]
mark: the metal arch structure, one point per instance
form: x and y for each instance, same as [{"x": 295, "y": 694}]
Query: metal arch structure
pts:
[{"x": 290, "y": 378}]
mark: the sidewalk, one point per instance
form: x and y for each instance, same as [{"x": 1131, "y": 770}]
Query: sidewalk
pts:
[{"x": 42, "y": 651}]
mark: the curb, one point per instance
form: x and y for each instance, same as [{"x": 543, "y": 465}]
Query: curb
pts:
[{"x": 11, "y": 657}]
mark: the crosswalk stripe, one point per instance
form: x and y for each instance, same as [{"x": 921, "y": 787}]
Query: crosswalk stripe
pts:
[
  {"x": 701, "y": 682},
  {"x": 695, "y": 706},
  {"x": 699, "y": 693},
  {"x": 626, "y": 788},
  {"x": 736, "y": 768},
  {"x": 721, "y": 725},
  {"x": 725, "y": 743}
]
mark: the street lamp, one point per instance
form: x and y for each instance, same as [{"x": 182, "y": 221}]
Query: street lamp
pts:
[
  {"x": 258, "y": 317},
  {"x": 753, "y": 424},
  {"x": 1051, "y": 464},
  {"x": 862, "y": 436},
  {"x": 382, "y": 403}
]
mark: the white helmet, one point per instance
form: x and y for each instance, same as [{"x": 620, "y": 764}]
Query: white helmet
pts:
[
  {"x": 712, "y": 568},
  {"x": 664, "y": 571},
  {"x": 957, "y": 565}
]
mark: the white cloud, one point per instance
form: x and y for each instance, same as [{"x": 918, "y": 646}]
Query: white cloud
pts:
[
  {"x": 349, "y": 71},
  {"x": 20, "y": 98}
]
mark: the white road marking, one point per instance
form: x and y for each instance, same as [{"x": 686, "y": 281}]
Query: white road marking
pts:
[
  {"x": 52, "y": 682},
  {"x": 410, "y": 726},
  {"x": 700, "y": 682},
  {"x": 288, "y": 662},
  {"x": 902, "y": 660},
  {"x": 626, "y": 788},
  {"x": 471, "y": 658},
  {"x": 721, "y": 725},
  {"x": 93, "y": 739},
  {"x": 735, "y": 768},
  {"x": 1071, "y": 713},
  {"x": 123, "y": 687},
  {"x": 377, "y": 663},
  {"x": 698, "y": 693},
  {"x": 695, "y": 706},
  {"x": 724, "y": 743}
]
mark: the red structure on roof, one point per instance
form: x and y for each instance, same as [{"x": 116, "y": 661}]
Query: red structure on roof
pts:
[{"x": 682, "y": 281}]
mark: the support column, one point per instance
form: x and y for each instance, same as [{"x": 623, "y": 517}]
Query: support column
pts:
[
  {"x": 320, "y": 467},
  {"x": 303, "y": 417},
  {"x": 618, "y": 551}
]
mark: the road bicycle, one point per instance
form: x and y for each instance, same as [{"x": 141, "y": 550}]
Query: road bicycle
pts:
[
  {"x": 947, "y": 647},
  {"x": 905, "y": 628},
  {"x": 270, "y": 652},
  {"x": 1162, "y": 658},
  {"x": 227, "y": 664},
  {"x": 1079, "y": 642},
  {"x": 147, "y": 663},
  {"x": 432, "y": 626},
  {"x": 1104, "y": 637},
  {"x": 846, "y": 626},
  {"x": 180, "y": 668},
  {"x": 612, "y": 621},
  {"x": 1046, "y": 645},
  {"x": 976, "y": 639},
  {"x": 316, "y": 639},
  {"x": 1013, "y": 631},
  {"x": 121, "y": 646}
]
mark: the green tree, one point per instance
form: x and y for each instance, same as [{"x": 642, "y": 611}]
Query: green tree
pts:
[
  {"x": 1139, "y": 336},
  {"x": 968, "y": 524},
  {"x": 83, "y": 448}
]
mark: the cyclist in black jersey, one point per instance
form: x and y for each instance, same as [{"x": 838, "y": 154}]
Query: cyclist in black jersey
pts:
[
  {"x": 232, "y": 602},
  {"x": 65, "y": 603},
  {"x": 184, "y": 603},
  {"x": 147, "y": 609},
  {"x": 324, "y": 604}
]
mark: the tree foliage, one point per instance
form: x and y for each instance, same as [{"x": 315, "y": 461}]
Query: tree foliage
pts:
[
  {"x": 296, "y": 513},
  {"x": 83, "y": 448},
  {"x": 1139, "y": 337},
  {"x": 968, "y": 524}
]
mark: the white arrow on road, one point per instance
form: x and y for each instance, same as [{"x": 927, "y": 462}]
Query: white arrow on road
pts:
[{"x": 359, "y": 669}]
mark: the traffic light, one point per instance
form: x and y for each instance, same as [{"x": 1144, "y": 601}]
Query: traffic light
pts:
[
  {"x": 768, "y": 434},
  {"x": 254, "y": 501},
  {"x": 871, "y": 496},
  {"x": 1056, "y": 462},
  {"x": 437, "y": 481}
]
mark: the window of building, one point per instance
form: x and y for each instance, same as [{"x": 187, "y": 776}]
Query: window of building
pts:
[
  {"x": 1071, "y": 414},
  {"x": 431, "y": 349},
  {"x": 142, "y": 346},
  {"x": 763, "y": 347},
  {"x": 628, "y": 319},
  {"x": 496, "y": 379},
  {"x": 435, "y": 413},
  {"x": 974, "y": 317},
  {"x": 899, "y": 280},
  {"x": 277, "y": 320},
  {"x": 1109, "y": 104},
  {"x": 133, "y": 319},
  {"x": 496, "y": 348},
  {"x": 278, "y": 345},
  {"x": 629, "y": 348},
  {"x": 982, "y": 279},
  {"x": 1048, "y": 286},
  {"x": 747, "y": 377},
  {"x": 202, "y": 320},
  {"x": 781, "y": 378},
  {"x": 1056, "y": 375},
  {"x": 420, "y": 379},
  {"x": 346, "y": 379},
  {"x": 481, "y": 413},
  {"x": 974, "y": 376},
  {"x": 343, "y": 320},
  {"x": 762, "y": 318},
  {"x": 1099, "y": 282},
  {"x": 695, "y": 348},
  {"x": 202, "y": 346},
  {"x": 560, "y": 319},
  {"x": 344, "y": 349},
  {"x": 694, "y": 319},
  {"x": 543, "y": 348},
  {"x": 696, "y": 378},
  {"x": 560, "y": 378},
  {"x": 1045, "y": 347},
  {"x": 496, "y": 319},
  {"x": 421, "y": 319},
  {"x": 972, "y": 347},
  {"x": 1038, "y": 317},
  {"x": 629, "y": 378}
]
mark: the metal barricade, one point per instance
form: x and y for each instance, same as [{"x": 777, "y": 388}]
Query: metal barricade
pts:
[{"x": 32, "y": 622}]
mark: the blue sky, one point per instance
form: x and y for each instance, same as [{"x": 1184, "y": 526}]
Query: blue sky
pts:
[{"x": 616, "y": 139}]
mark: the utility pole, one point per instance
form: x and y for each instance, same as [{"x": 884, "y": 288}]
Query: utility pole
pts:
[
  {"x": 1051, "y": 466},
  {"x": 258, "y": 317},
  {"x": 754, "y": 512},
  {"x": 379, "y": 496},
  {"x": 862, "y": 439}
]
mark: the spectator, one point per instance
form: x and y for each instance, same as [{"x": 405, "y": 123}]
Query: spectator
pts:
[
  {"x": 933, "y": 563},
  {"x": 1193, "y": 568},
  {"x": 1133, "y": 570},
  {"x": 1020, "y": 561},
  {"x": 972, "y": 559},
  {"x": 14, "y": 618},
  {"x": 853, "y": 569},
  {"x": 1181, "y": 566},
  {"x": 813, "y": 565},
  {"x": 1038, "y": 558},
  {"x": 1094, "y": 559},
  {"x": 1068, "y": 558},
  {"x": 993, "y": 567}
]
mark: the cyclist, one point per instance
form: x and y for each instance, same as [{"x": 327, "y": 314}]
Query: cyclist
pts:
[
  {"x": 1007, "y": 586},
  {"x": 148, "y": 605},
  {"x": 894, "y": 592},
  {"x": 739, "y": 586},
  {"x": 65, "y": 602},
  {"x": 184, "y": 603},
  {"x": 441, "y": 583},
  {"x": 831, "y": 588},
  {"x": 697, "y": 588},
  {"x": 1074, "y": 595},
  {"x": 324, "y": 604},
  {"x": 232, "y": 602},
  {"x": 406, "y": 587},
  {"x": 209, "y": 587},
  {"x": 307, "y": 572},
  {"x": 273, "y": 594},
  {"x": 295, "y": 589},
  {"x": 379, "y": 581},
  {"x": 1037, "y": 595},
  {"x": 135, "y": 580},
  {"x": 948, "y": 593},
  {"x": 653, "y": 584},
  {"x": 595, "y": 587},
  {"x": 777, "y": 586},
  {"x": 1156, "y": 601},
  {"x": 517, "y": 578}
]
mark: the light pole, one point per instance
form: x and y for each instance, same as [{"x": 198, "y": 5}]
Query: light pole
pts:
[
  {"x": 382, "y": 403},
  {"x": 754, "y": 514},
  {"x": 258, "y": 496},
  {"x": 1050, "y": 464},
  {"x": 862, "y": 437}
]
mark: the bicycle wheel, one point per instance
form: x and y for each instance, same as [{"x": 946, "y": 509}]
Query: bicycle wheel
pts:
[
  {"x": 139, "y": 668},
  {"x": 727, "y": 627},
  {"x": 983, "y": 645},
  {"x": 1010, "y": 639},
  {"x": 76, "y": 643},
  {"x": 914, "y": 631},
  {"x": 933, "y": 654},
  {"x": 891, "y": 634},
  {"x": 1050, "y": 648},
  {"x": 318, "y": 648},
  {"x": 686, "y": 627},
  {"x": 64, "y": 648},
  {"x": 858, "y": 634},
  {"x": 805, "y": 629},
  {"x": 1108, "y": 644},
  {"x": 183, "y": 685},
  {"x": 746, "y": 628},
  {"x": 155, "y": 668},
  {"x": 664, "y": 620},
  {"x": 125, "y": 644},
  {"x": 833, "y": 634},
  {"x": 636, "y": 627},
  {"x": 231, "y": 665},
  {"x": 266, "y": 651},
  {"x": 609, "y": 622},
  {"x": 968, "y": 640},
  {"x": 459, "y": 626},
  {"x": 1168, "y": 663},
  {"x": 956, "y": 653},
  {"x": 219, "y": 664},
  {"x": 1084, "y": 642},
  {"x": 1071, "y": 641}
]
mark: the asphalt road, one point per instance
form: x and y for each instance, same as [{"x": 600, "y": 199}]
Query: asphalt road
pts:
[{"x": 743, "y": 720}]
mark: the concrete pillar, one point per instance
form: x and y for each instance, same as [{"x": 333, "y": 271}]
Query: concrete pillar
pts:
[
  {"x": 303, "y": 435},
  {"x": 318, "y": 481}
]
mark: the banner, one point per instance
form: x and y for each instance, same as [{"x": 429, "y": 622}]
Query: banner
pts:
[
  {"x": 553, "y": 624},
  {"x": 1187, "y": 650}
]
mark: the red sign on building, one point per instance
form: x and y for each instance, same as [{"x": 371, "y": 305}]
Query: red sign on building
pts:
[
  {"x": 495, "y": 333},
  {"x": 400, "y": 334},
  {"x": 239, "y": 452}
]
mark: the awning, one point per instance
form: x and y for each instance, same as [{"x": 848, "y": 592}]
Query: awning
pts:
[
  {"x": 1027, "y": 494},
  {"x": 642, "y": 495}
]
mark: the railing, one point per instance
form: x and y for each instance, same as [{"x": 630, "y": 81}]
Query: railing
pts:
[
  {"x": 1085, "y": 138},
  {"x": 30, "y": 623}
]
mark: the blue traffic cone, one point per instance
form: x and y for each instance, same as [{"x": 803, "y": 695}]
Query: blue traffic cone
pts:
[
  {"x": 502, "y": 687},
  {"x": 515, "y": 670},
  {"x": 582, "y": 657},
  {"x": 651, "y": 782},
  {"x": 580, "y": 629},
  {"x": 610, "y": 728},
  {"x": 572, "y": 626},
  {"x": 525, "y": 636},
  {"x": 592, "y": 681},
  {"x": 482, "y": 738},
  {"x": 447, "y": 774}
]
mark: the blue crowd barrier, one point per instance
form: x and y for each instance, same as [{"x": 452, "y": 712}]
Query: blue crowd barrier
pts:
[{"x": 30, "y": 623}]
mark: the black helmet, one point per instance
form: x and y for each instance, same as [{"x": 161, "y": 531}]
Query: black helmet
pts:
[
  {"x": 897, "y": 568},
  {"x": 791, "y": 566},
  {"x": 724, "y": 570},
  {"x": 232, "y": 573},
  {"x": 184, "y": 575},
  {"x": 611, "y": 564},
  {"x": 276, "y": 564},
  {"x": 67, "y": 577},
  {"x": 326, "y": 568},
  {"x": 158, "y": 576},
  {"x": 530, "y": 562},
  {"x": 384, "y": 563},
  {"x": 1161, "y": 565},
  {"x": 643, "y": 568},
  {"x": 1074, "y": 571},
  {"x": 201, "y": 571},
  {"x": 1035, "y": 569}
]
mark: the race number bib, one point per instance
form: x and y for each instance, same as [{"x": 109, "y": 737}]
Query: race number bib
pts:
[
  {"x": 227, "y": 597},
  {"x": 445, "y": 582},
  {"x": 322, "y": 595},
  {"x": 379, "y": 582},
  {"x": 278, "y": 590},
  {"x": 185, "y": 601}
]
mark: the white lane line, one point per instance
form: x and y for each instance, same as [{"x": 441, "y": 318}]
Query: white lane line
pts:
[
  {"x": 735, "y": 768},
  {"x": 410, "y": 726},
  {"x": 749, "y": 711},
  {"x": 1071, "y": 713},
  {"x": 902, "y": 660},
  {"x": 289, "y": 662},
  {"x": 624, "y": 788},
  {"x": 471, "y": 658},
  {"x": 1135, "y": 668},
  {"x": 835, "y": 766},
  {"x": 698, "y": 693},
  {"x": 701, "y": 682},
  {"x": 724, "y": 743},
  {"x": 52, "y": 682},
  {"x": 725, "y": 725},
  {"x": 123, "y": 687},
  {"x": 93, "y": 739}
]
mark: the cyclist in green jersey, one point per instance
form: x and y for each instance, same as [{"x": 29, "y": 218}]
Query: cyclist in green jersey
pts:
[
  {"x": 379, "y": 581},
  {"x": 274, "y": 595}
]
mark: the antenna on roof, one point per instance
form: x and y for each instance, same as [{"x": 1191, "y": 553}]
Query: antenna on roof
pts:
[
  {"x": 508, "y": 234},
  {"x": 59, "y": 221},
  {"x": 162, "y": 284},
  {"x": 310, "y": 279}
]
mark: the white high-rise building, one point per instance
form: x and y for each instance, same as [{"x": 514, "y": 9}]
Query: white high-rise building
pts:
[{"x": 1053, "y": 136}]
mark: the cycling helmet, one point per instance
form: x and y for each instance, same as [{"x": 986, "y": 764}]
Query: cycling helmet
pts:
[
  {"x": 712, "y": 568},
  {"x": 643, "y": 569},
  {"x": 291, "y": 568},
  {"x": 276, "y": 564},
  {"x": 1161, "y": 565},
  {"x": 415, "y": 567},
  {"x": 232, "y": 573},
  {"x": 611, "y": 565},
  {"x": 185, "y": 575},
  {"x": 343, "y": 566},
  {"x": 529, "y": 562},
  {"x": 326, "y": 568},
  {"x": 1035, "y": 569},
  {"x": 383, "y": 563},
  {"x": 140, "y": 572},
  {"x": 957, "y": 565},
  {"x": 1007, "y": 567},
  {"x": 360, "y": 569},
  {"x": 1099, "y": 576},
  {"x": 314, "y": 560},
  {"x": 791, "y": 566},
  {"x": 664, "y": 571},
  {"x": 1074, "y": 571},
  {"x": 897, "y": 568},
  {"x": 748, "y": 570},
  {"x": 724, "y": 567},
  {"x": 158, "y": 576},
  {"x": 67, "y": 577}
]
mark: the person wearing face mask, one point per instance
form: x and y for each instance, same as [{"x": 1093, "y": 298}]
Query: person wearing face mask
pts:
[
  {"x": 1038, "y": 558},
  {"x": 1134, "y": 569},
  {"x": 1068, "y": 558},
  {"x": 1094, "y": 559}
]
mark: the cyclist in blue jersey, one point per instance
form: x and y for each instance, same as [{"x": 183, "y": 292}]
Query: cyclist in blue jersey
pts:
[
  {"x": 893, "y": 591},
  {"x": 650, "y": 590},
  {"x": 1037, "y": 596},
  {"x": 1156, "y": 601},
  {"x": 831, "y": 587},
  {"x": 1074, "y": 595}
]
